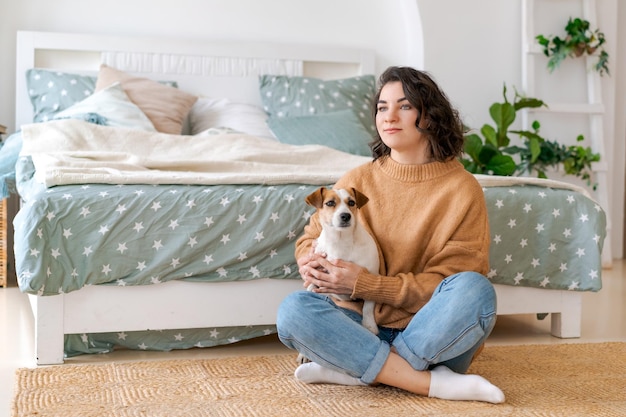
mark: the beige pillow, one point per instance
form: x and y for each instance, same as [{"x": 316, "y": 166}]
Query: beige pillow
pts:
[{"x": 165, "y": 106}]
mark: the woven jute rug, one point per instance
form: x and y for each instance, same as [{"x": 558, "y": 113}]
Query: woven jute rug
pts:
[{"x": 538, "y": 380}]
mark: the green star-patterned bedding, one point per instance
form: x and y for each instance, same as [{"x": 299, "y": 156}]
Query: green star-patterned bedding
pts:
[
  {"x": 545, "y": 238},
  {"x": 69, "y": 236}
]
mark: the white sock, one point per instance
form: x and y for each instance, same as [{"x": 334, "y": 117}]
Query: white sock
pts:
[
  {"x": 312, "y": 373},
  {"x": 448, "y": 385}
]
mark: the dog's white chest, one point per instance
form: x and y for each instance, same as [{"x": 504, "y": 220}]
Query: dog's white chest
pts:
[{"x": 354, "y": 246}]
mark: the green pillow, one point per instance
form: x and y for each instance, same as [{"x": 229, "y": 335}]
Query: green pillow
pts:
[
  {"x": 285, "y": 96},
  {"x": 340, "y": 130},
  {"x": 52, "y": 91}
]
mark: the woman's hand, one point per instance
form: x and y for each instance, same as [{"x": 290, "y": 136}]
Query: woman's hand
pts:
[
  {"x": 306, "y": 263},
  {"x": 330, "y": 277}
]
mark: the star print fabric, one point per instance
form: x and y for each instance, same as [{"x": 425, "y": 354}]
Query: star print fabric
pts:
[
  {"x": 71, "y": 236},
  {"x": 545, "y": 238}
]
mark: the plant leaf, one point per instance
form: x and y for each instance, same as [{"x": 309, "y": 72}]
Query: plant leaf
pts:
[
  {"x": 471, "y": 166},
  {"x": 528, "y": 135},
  {"x": 472, "y": 146},
  {"x": 504, "y": 116},
  {"x": 528, "y": 102},
  {"x": 535, "y": 148},
  {"x": 502, "y": 165},
  {"x": 536, "y": 125},
  {"x": 487, "y": 153},
  {"x": 490, "y": 135}
]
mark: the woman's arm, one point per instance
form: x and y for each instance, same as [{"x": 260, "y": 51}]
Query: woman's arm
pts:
[
  {"x": 304, "y": 244},
  {"x": 306, "y": 258}
]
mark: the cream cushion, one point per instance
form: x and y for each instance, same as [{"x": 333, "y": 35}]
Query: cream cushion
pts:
[{"x": 166, "y": 107}]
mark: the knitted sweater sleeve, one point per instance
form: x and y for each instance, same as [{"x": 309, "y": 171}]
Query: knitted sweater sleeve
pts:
[{"x": 311, "y": 232}]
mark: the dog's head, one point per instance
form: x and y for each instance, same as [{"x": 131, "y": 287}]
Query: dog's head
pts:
[{"x": 337, "y": 207}]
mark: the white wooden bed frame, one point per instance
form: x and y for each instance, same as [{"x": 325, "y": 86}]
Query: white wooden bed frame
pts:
[{"x": 180, "y": 305}]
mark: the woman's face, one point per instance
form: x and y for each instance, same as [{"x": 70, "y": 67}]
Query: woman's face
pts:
[{"x": 395, "y": 121}]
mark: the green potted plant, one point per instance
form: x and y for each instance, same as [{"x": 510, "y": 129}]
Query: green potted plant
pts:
[
  {"x": 493, "y": 154},
  {"x": 579, "y": 40}
]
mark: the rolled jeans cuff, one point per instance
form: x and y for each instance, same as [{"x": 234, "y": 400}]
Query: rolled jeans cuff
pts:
[
  {"x": 376, "y": 364},
  {"x": 405, "y": 352}
]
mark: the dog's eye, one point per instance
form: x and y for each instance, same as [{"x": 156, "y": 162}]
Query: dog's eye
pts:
[
  {"x": 351, "y": 203},
  {"x": 330, "y": 203}
]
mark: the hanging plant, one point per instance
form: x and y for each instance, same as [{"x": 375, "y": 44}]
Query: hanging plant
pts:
[{"x": 579, "y": 40}]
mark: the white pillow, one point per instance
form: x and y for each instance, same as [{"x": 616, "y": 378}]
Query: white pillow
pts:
[
  {"x": 113, "y": 104},
  {"x": 209, "y": 113}
]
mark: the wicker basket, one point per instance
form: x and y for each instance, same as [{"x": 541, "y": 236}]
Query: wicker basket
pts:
[{"x": 3, "y": 243}]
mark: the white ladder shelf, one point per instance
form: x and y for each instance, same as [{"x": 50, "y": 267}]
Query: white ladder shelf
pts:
[{"x": 593, "y": 108}]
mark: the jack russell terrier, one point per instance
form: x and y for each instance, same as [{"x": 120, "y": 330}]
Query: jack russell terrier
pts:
[{"x": 344, "y": 238}]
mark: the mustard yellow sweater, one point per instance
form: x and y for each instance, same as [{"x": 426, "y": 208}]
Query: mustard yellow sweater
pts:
[{"x": 430, "y": 222}]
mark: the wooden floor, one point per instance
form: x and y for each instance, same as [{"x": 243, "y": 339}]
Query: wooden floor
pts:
[{"x": 604, "y": 319}]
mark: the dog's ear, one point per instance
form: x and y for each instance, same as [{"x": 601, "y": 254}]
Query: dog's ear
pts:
[
  {"x": 316, "y": 198},
  {"x": 360, "y": 198}
]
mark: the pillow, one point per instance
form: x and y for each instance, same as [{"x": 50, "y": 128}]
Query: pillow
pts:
[
  {"x": 113, "y": 104},
  {"x": 285, "y": 96},
  {"x": 165, "y": 106},
  {"x": 341, "y": 130},
  {"x": 209, "y": 113},
  {"x": 51, "y": 91}
]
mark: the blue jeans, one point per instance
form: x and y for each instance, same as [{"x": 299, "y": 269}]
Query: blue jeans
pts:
[{"x": 448, "y": 330}]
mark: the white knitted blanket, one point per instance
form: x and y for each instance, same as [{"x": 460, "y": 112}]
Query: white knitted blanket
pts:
[{"x": 77, "y": 152}]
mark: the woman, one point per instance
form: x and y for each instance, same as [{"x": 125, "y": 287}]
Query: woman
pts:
[{"x": 434, "y": 307}]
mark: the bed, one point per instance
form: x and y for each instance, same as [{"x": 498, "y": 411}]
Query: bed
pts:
[{"x": 162, "y": 187}]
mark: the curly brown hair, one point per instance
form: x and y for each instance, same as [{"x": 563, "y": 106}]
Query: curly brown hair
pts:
[{"x": 444, "y": 132}]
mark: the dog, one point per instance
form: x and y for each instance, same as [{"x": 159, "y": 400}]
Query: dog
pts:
[{"x": 343, "y": 237}]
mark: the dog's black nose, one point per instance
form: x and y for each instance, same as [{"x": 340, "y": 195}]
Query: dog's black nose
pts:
[{"x": 345, "y": 217}]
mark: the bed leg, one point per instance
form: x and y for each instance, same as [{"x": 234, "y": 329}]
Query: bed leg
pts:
[
  {"x": 49, "y": 336},
  {"x": 567, "y": 323}
]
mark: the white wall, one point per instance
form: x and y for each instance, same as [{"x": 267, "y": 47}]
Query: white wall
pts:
[
  {"x": 471, "y": 47},
  {"x": 360, "y": 23}
]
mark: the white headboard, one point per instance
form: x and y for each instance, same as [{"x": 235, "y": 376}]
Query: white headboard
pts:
[{"x": 219, "y": 69}]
